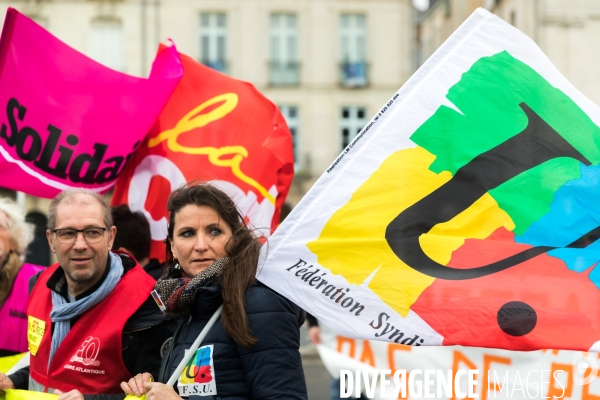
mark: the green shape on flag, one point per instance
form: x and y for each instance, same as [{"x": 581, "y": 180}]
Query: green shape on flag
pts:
[{"x": 488, "y": 95}]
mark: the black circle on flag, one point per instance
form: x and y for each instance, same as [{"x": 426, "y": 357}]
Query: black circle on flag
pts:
[{"x": 516, "y": 318}]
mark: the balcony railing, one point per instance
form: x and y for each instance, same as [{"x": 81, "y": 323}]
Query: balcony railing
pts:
[
  {"x": 219, "y": 65},
  {"x": 284, "y": 73},
  {"x": 354, "y": 74}
]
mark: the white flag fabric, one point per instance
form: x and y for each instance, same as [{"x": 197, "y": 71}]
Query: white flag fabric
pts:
[{"x": 465, "y": 212}]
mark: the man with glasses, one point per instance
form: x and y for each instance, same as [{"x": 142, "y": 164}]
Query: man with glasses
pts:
[{"x": 91, "y": 320}]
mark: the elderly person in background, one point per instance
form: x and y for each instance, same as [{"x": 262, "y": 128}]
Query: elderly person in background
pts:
[{"x": 15, "y": 235}]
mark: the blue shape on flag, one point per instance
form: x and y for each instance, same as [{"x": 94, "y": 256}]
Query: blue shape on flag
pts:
[{"x": 574, "y": 212}]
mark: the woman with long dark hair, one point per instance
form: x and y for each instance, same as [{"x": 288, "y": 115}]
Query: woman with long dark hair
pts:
[{"x": 251, "y": 352}]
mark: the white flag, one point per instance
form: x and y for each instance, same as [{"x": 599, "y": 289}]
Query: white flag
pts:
[{"x": 465, "y": 212}]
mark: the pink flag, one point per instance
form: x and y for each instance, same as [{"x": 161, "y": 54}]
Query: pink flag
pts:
[{"x": 66, "y": 120}]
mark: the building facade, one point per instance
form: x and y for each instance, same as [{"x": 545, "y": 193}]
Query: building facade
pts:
[{"x": 328, "y": 64}]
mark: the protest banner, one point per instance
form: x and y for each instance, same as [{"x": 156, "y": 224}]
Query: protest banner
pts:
[
  {"x": 214, "y": 128},
  {"x": 465, "y": 212},
  {"x": 68, "y": 121},
  {"x": 16, "y": 394},
  {"x": 501, "y": 374}
]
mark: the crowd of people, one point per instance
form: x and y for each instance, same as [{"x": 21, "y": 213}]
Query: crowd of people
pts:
[{"x": 107, "y": 321}]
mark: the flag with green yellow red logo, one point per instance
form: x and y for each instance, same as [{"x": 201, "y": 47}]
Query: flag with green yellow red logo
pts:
[{"x": 467, "y": 211}]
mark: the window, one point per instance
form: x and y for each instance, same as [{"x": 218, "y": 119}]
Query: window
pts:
[
  {"x": 283, "y": 49},
  {"x": 290, "y": 113},
  {"x": 106, "y": 43},
  {"x": 213, "y": 40},
  {"x": 352, "y": 120},
  {"x": 353, "y": 46}
]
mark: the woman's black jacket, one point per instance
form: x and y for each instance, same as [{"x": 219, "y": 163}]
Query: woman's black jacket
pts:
[{"x": 271, "y": 369}]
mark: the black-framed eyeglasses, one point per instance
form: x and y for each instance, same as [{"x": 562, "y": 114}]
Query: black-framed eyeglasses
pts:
[{"x": 68, "y": 235}]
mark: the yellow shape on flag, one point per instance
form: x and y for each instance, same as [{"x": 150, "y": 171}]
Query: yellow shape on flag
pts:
[
  {"x": 197, "y": 118},
  {"x": 227, "y": 156},
  {"x": 353, "y": 244},
  {"x": 476, "y": 222},
  {"x": 6, "y": 363}
]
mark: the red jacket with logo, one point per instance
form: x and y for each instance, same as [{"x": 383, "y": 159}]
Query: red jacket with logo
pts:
[{"x": 90, "y": 358}]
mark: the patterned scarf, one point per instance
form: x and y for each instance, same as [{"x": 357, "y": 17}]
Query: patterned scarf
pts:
[{"x": 178, "y": 290}]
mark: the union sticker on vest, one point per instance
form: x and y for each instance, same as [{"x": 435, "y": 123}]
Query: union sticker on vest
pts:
[
  {"x": 35, "y": 332},
  {"x": 198, "y": 376}
]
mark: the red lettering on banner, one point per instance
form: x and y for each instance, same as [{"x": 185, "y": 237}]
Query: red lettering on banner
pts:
[
  {"x": 457, "y": 358},
  {"x": 585, "y": 390},
  {"x": 554, "y": 351},
  {"x": 559, "y": 392},
  {"x": 488, "y": 359},
  {"x": 367, "y": 354},
  {"x": 351, "y": 342}
]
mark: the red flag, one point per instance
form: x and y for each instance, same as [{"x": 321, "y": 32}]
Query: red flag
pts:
[{"x": 214, "y": 128}]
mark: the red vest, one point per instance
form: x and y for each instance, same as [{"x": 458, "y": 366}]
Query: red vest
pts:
[{"x": 90, "y": 359}]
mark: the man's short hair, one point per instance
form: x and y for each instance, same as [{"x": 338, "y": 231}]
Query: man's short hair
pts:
[
  {"x": 133, "y": 231},
  {"x": 79, "y": 196}
]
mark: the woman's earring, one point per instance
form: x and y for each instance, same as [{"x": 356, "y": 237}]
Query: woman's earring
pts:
[{"x": 177, "y": 266}]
